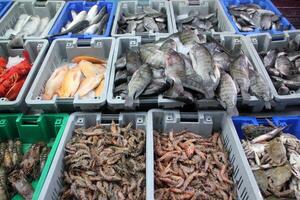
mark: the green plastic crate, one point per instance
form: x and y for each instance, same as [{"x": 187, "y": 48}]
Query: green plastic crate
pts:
[{"x": 31, "y": 129}]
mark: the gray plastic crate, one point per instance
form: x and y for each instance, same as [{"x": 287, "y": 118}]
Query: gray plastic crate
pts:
[
  {"x": 54, "y": 183},
  {"x": 60, "y": 52},
  {"x": 264, "y": 42},
  {"x": 203, "y": 123},
  {"x": 231, "y": 41},
  {"x": 205, "y": 7},
  {"x": 37, "y": 50},
  {"x": 135, "y": 7},
  {"x": 50, "y": 9}
]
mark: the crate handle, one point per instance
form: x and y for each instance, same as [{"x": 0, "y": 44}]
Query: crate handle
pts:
[
  {"x": 194, "y": 2},
  {"x": 83, "y": 43},
  {"x": 189, "y": 117},
  {"x": 40, "y": 3},
  {"x": 143, "y": 2},
  {"x": 278, "y": 37}
]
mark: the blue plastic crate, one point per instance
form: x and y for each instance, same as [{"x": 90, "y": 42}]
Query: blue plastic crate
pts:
[
  {"x": 292, "y": 121},
  {"x": 265, "y": 4},
  {"x": 4, "y": 6},
  {"x": 78, "y": 6}
]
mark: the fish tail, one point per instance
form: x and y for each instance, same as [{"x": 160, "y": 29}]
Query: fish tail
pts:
[
  {"x": 129, "y": 102},
  {"x": 268, "y": 105},
  {"x": 232, "y": 111},
  {"x": 209, "y": 94},
  {"x": 245, "y": 95},
  {"x": 46, "y": 97},
  {"x": 178, "y": 86}
]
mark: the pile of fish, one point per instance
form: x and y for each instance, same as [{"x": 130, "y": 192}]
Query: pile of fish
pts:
[
  {"x": 189, "y": 166},
  {"x": 13, "y": 73},
  {"x": 195, "y": 20},
  {"x": 274, "y": 157},
  {"x": 284, "y": 67},
  {"x": 248, "y": 17},
  {"x": 28, "y": 25},
  {"x": 147, "y": 20},
  {"x": 105, "y": 163},
  {"x": 91, "y": 22},
  {"x": 186, "y": 67},
  {"x": 18, "y": 170},
  {"x": 84, "y": 77}
]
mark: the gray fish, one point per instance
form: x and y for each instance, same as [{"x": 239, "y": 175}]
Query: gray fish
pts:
[
  {"x": 283, "y": 90},
  {"x": 186, "y": 96},
  {"x": 273, "y": 71},
  {"x": 168, "y": 44},
  {"x": 203, "y": 65},
  {"x": 292, "y": 56},
  {"x": 102, "y": 23},
  {"x": 138, "y": 83},
  {"x": 239, "y": 71},
  {"x": 99, "y": 16},
  {"x": 152, "y": 56},
  {"x": 266, "y": 22},
  {"x": 270, "y": 58},
  {"x": 175, "y": 70},
  {"x": 121, "y": 76},
  {"x": 156, "y": 87},
  {"x": 121, "y": 63},
  {"x": 221, "y": 60},
  {"x": 283, "y": 65},
  {"x": 227, "y": 92},
  {"x": 140, "y": 28},
  {"x": 291, "y": 84},
  {"x": 297, "y": 64},
  {"x": 74, "y": 29},
  {"x": 133, "y": 61},
  {"x": 150, "y": 24},
  {"x": 121, "y": 88},
  {"x": 132, "y": 25},
  {"x": 259, "y": 88}
]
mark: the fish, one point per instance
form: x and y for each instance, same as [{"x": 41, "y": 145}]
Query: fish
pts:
[
  {"x": 79, "y": 17},
  {"x": 221, "y": 60},
  {"x": 156, "y": 87},
  {"x": 99, "y": 16},
  {"x": 121, "y": 63},
  {"x": 81, "y": 25},
  {"x": 92, "y": 29},
  {"x": 91, "y": 59},
  {"x": 259, "y": 88},
  {"x": 102, "y": 23},
  {"x": 23, "y": 19},
  {"x": 121, "y": 76},
  {"x": 185, "y": 96},
  {"x": 92, "y": 13},
  {"x": 88, "y": 84},
  {"x": 42, "y": 27},
  {"x": 73, "y": 14},
  {"x": 283, "y": 90},
  {"x": 289, "y": 83},
  {"x": 227, "y": 93},
  {"x": 150, "y": 24},
  {"x": 203, "y": 65},
  {"x": 70, "y": 83},
  {"x": 239, "y": 70},
  {"x": 175, "y": 70},
  {"x": 153, "y": 56},
  {"x": 54, "y": 82},
  {"x": 90, "y": 70},
  {"x": 270, "y": 58},
  {"x": 283, "y": 65},
  {"x": 133, "y": 61},
  {"x": 99, "y": 90},
  {"x": 268, "y": 136},
  {"x": 141, "y": 78}
]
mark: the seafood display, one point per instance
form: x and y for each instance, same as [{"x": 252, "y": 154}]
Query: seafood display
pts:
[
  {"x": 84, "y": 77},
  {"x": 188, "y": 67},
  {"x": 195, "y": 20},
  {"x": 274, "y": 158},
  {"x": 28, "y": 25},
  {"x": 148, "y": 20},
  {"x": 283, "y": 66},
  {"x": 13, "y": 73},
  {"x": 189, "y": 166},
  {"x": 249, "y": 17},
  {"x": 92, "y": 21},
  {"x": 18, "y": 170},
  {"x": 105, "y": 162}
]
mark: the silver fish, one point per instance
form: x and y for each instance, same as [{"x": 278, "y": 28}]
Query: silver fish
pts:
[
  {"x": 283, "y": 65},
  {"x": 150, "y": 24},
  {"x": 31, "y": 26},
  {"x": 227, "y": 92},
  {"x": 268, "y": 136},
  {"x": 138, "y": 83},
  {"x": 221, "y": 60},
  {"x": 73, "y": 14},
  {"x": 23, "y": 19},
  {"x": 92, "y": 13},
  {"x": 289, "y": 83},
  {"x": 270, "y": 58},
  {"x": 239, "y": 70},
  {"x": 99, "y": 16},
  {"x": 42, "y": 27},
  {"x": 80, "y": 17}
]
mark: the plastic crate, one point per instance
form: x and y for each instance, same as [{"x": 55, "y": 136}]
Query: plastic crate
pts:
[
  {"x": 203, "y": 123},
  {"x": 231, "y": 41},
  {"x": 265, "y": 4},
  {"x": 265, "y": 42},
  {"x": 37, "y": 49},
  {"x": 4, "y": 6},
  {"x": 32, "y": 129},
  {"x": 60, "y": 52},
  {"x": 50, "y": 9},
  {"x": 205, "y": 7},
  {"x": 293, "y": 128},
  {"x": 136, "y": 7},
  {"x": 78, "y": 6},
  {"x": 54, "y": 183}
]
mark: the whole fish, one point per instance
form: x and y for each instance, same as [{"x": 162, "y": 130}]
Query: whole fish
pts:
[
  {"x": 23, "y": 19},
  {"x": 133, "y": 61},
  {"x": 121, "y": 63},
  {"x": 268, "y": 136},
  {"x": 54, "y": 82},
  {"x": 81, "y": 25},
  {"x": 283, "y": 65},
  {"x": 121, "y": 77},
  {"x": 79, "y": 17},
  {"x": 90, "y": 70},
  {"x": 289, "y": 83},
  {"x": 227, "y": 92},
  {"x": 73, "y": 14},
  {"x": 260, "y": 89},
  {"x": 43, "y": 24},
  {"x": 92, "y": 13},
  {"x": 185, "y": 97},
  {"x": 156, "y": 87},
  {"x": 138, "y": 83},
  {"x": 150, "y": 24},
  {"x": 239, "y": 70},
  {"x": 92, "y": 29},
  {"x": 270, "y": 58},
  {"x": 99, "y": 16},
  {"x": 88, "y": 84},
  {"x": 283, "y": 90},
  {"x": 31, "y": 26},
  {"x": 203, "y": 65},
  {"x": 70, "y": 83},
  {"x": 102, "y": 23},
  {"x": 175, "y": 70}
]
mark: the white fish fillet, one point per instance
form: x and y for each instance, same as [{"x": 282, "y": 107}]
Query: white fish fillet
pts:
[
  {"x": 23, "y": 19},
  {"x": 42, "y": 27},
  {"x": 32, "y": 26}
]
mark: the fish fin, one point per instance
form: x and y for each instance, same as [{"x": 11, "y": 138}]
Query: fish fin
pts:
[
  {"x": 46, "y": 97},
  {"x": 245, "y": 95},
  {"x": 232, "y": 111},
  {"x": 209, "y": 94},
  {"x": 237, "y": 86},
  {"x": 222, "y": 103},
  {"x": 268, "y": 105},
  {"x": 129, "y": 102}
]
